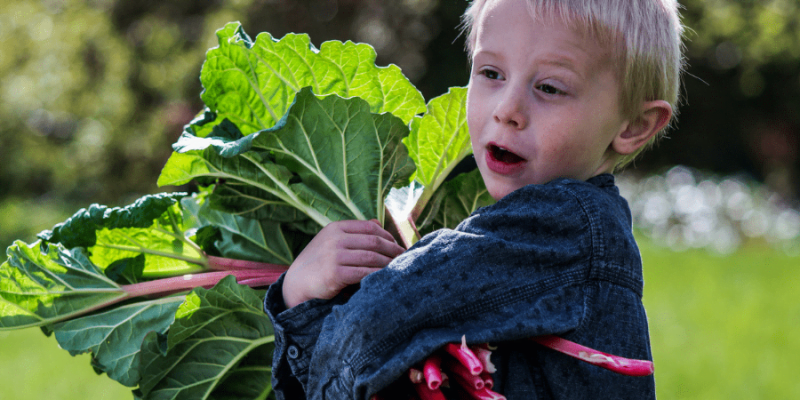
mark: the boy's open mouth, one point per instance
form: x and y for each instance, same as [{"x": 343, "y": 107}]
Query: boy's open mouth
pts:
[{"x": 504, "y": 156}]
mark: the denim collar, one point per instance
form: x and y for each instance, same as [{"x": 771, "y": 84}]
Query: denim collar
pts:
[{"x": 602, "y": 180}]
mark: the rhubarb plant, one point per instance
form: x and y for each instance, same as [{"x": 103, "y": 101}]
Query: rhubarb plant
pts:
[{"x": 292, "y": 138}]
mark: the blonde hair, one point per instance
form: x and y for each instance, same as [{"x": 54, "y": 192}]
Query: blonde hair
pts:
[{"x": 644, "y": 36}]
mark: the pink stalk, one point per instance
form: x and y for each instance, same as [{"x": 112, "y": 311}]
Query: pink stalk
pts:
[
  {"x": 415, "y": 376},
  {"x": 230, "y": 264},
  {"x": 266, "y": 280},
  {"x": 484, "y": 354},
  {"x": 433, "y": 371},
  {"x": 426, "y": 393},
  {"x": 465, "y": 356},
  {"x": 186, "y": 282},
  {"x": 463, "y": 375},
  {"x": 481, "y": 394},
  {"x": 621, "y": 365},
  {"x": 488, "y": 381}
]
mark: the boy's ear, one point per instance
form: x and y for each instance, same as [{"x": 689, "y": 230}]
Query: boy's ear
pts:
[{"x": 654, "y": 117}]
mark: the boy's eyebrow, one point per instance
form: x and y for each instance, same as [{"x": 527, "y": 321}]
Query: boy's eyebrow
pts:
[
  {"x": 555, "y": 60},
  {"x": 563, "y": 62}
]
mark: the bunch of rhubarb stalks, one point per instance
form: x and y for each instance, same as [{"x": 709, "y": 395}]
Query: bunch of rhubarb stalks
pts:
[{"x": 464, "y": 370}]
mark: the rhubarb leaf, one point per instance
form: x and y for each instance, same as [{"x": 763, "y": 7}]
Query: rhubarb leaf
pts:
[
  {"x": 220, "y": 339},
  {"x": 247, "y": 238},
  {"x": 342, "y": 152},
  {"x": 438, "y": 141},
  {"x": 253, "y": 83},
  {"x": 80, "y": 230},
  {"x": 346, "y": 158},
  {"x": 250, "y": 202},
  {"x": 43, "y": 284},
  {"x": 152, "y": 226},
  {"x": 457, "y": 199},
  {"x": 115, "y": 337}
]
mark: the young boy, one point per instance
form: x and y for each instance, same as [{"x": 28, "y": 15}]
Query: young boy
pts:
[{"x": 561, "y": 94}]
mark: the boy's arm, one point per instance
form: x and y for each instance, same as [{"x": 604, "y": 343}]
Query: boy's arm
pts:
[
  {"x": 516, "y": 270},
  {"x": 436, "y": 292},
  {"x": 340, "y": 255}
]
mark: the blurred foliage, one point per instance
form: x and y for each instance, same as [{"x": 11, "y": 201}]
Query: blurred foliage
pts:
[
  {"x": 95, "y": 91},
  {"x": 742, "y": 93}
]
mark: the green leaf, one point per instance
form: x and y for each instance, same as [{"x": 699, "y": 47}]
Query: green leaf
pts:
[
  {"x": 43, "y": 284},
  {"x": 346, "y": 158},
  {"x": 152, "y": 226},
  {"x": 248, "y": 239},
  {"x": 251, "y": 202},
  {"x": 166, "y": 251},
  {"x": 80, "y": 230},
  {"x": 181, "y": 168},
  {"x": 220, "y": 339},
  {"x": 438, "y": 141},
  {"x": 457, "y": 199},
  {"x": 341, "y": 152},
  {"x": 253, "y": 83},
  {"x": 115, "y": 337}
]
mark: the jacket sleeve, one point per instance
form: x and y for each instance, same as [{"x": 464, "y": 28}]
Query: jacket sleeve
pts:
[
  {"x": 507, "y": 274},
  {"x": 296, "y": 332}
]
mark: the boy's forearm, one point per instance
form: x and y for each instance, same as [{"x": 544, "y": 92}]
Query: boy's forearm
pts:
[{"x": 296, "y": 331}]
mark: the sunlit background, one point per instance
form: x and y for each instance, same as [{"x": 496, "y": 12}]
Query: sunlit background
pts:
[{"x": 94, "y": 92}]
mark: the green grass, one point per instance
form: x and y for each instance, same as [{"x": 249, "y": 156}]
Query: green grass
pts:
[
  {"x": 721, "y": 328},
  {"x": 32, "y": 367}
]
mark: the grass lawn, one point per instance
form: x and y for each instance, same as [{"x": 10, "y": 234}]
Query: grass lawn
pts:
[{"x": 721, "y": 328}]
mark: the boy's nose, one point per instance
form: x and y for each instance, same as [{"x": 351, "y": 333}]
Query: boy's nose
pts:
[{"x": 511, "y": 110}]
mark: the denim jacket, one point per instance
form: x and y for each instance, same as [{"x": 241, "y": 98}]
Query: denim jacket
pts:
[{"x": 557, "y": 258}]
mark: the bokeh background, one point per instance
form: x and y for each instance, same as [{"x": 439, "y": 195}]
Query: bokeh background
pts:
[{"x": 94, "y": 92}]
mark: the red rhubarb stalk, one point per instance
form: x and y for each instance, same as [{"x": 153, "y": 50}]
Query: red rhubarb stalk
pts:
[
  {"x": 463, "y": 375},
  {"x": 463, "y": 354},
  {"x": 482, "y": 394},
  {"x": 614, "y": 363},
  {"x": 266, "y": 280},
  {"x": 230, "y": 264},
  {"x": 186, "y": 282},
  {"x": 426, "y": 393},
  {"x": 484, "y": 354},
  {"x": 488, "y": 381},
  {"x": 433, "y": 371}
]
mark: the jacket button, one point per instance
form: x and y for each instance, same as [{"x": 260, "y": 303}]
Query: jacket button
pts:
[{"x": 293, "y": 352}]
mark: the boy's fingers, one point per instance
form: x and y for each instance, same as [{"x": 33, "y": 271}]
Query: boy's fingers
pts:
[
  {"x": 365, "y": 227},
  {"x": 353, "y": 275},
  {"x": 373, "y": 243},
  {"x": 362, "y": 258}
]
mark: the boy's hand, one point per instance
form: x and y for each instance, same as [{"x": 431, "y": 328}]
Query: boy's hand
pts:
[{"x": 341, "y": 254}]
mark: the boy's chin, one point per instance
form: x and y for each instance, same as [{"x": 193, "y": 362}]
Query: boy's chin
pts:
[{"x": 498, "y": 190}]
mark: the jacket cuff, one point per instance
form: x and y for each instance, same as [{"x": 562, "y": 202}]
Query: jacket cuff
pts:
[{"x": 296, "y": 332}]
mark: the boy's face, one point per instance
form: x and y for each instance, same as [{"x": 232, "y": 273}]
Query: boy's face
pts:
[{"x": 543, "y": 101}]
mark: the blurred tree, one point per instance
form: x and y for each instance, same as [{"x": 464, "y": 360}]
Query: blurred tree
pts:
[
  {"x": 95, "y": 91},
  {"x": 742, "y": 111}
]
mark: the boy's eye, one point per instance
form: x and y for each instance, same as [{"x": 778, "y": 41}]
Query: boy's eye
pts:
[
  {"x": 548, "y": 89},
  {"x": 491, "y": 74}
]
